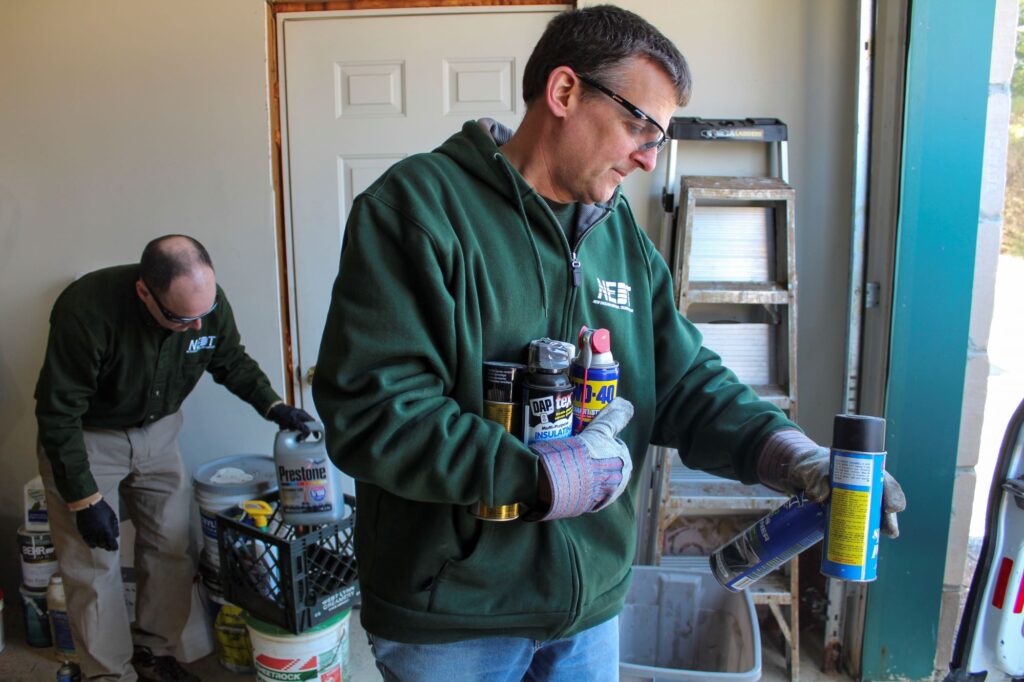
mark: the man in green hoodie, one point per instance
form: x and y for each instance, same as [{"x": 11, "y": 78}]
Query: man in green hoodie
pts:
[
  {"x": 465, "y": 255},
  {"x": 127, "y": 345}
]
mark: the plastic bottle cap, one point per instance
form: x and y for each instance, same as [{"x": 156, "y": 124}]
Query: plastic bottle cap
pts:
[
  {"x": 601, "y": 341},
  {"x": 858, "y": 433}
]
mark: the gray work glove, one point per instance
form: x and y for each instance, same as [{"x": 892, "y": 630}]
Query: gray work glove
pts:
[
  {"x": 791, "y": 462},
  {"x": 589, "y": 471},
  {"x": 98, "y": 526}
]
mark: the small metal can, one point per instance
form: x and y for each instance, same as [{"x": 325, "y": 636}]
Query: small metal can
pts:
[{"x": 69, "y": 672}]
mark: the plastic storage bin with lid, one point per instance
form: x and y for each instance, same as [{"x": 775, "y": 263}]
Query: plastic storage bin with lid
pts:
[{"x": 679, "y": 624}]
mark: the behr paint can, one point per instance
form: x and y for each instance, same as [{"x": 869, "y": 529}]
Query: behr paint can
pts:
[
  {"x": 856, "y": 473},
  {"x": 38, "y": 558},
  {"x": 503, "y": 389}
]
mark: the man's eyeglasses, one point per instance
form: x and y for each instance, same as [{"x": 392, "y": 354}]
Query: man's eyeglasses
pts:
[
  {"x": 658, "y": 142},
  {"x": 178, "y": 319}
]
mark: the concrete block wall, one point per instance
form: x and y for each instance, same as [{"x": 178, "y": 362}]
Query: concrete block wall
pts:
[{"x": 975, "y": 382}]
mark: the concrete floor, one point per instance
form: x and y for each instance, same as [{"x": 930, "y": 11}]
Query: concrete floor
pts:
[{"x": 22, "y": 663}]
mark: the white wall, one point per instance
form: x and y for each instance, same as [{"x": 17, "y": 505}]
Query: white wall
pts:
[
  {"x": 795, "y": 61},
  {"x": 121, "y": 121}
]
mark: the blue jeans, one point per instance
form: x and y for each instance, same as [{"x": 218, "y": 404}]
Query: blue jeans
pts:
[{"x": 591, "y": 655}]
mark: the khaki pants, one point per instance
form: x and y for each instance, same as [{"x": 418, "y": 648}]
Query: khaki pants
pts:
[{"x": 143, "y": 467}]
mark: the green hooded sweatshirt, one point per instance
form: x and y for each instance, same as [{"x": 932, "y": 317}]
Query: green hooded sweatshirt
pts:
[{"x": 450, "y": 260}]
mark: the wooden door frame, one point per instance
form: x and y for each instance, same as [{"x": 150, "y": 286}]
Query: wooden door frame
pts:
[{"x": 274, "y": 8}]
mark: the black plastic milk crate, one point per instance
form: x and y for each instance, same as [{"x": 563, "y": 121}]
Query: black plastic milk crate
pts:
[{"x": 293, "y": 577}]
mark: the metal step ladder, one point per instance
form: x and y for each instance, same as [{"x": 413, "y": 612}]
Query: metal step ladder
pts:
[{"x": 730, "y": 242}]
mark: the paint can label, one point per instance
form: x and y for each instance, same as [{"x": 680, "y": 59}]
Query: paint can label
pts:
[
  {"x": 38, "y": 558},
  {"x": 854, "y": 516},
  {"x": 37, "y": 620}
]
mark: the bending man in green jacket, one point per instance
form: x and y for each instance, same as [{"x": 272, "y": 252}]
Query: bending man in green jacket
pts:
[
  {"x": 465, "y": 255},
  {"x": 127, "y": 345}
]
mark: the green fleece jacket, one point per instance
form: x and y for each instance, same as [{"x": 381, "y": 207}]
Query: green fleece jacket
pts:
[{"x": 451, "y": 259}]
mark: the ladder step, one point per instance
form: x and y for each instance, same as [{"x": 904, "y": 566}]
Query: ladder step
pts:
[
  {"x": 763, "y": 293},
  {"x": 728, "y": 187},
  {"x": 694, "y": 491}
]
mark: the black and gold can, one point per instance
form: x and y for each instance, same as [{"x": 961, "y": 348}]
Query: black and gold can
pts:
[{"x": 503, "y": 390}]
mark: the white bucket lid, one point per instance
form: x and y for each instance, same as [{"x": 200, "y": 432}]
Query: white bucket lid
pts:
[{"x": 251, "y": 475}]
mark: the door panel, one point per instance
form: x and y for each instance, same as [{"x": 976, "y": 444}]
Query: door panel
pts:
[{"x": 361, "y": 92}]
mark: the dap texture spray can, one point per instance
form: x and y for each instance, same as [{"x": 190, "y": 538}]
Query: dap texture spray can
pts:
[
  {"x": 594, "y": 376},
  {"x": 855, "y": 505},
  {"x": 769, "y": 543},
  {"x": 503, "y": 391},
  {"x": 547, "y": 392}
]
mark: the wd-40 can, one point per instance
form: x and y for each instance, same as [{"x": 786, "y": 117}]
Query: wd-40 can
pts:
[
  {"x": 547, "y": 392},
  {"x": 855, "y": 507},
  {"x": 503, "y": 389},
  {"x": 594, "y": 375},
  {"x": 769, "y": 543}
]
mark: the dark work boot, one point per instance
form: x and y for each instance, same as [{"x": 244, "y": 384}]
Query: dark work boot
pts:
[{"x": 159, "y": 668}]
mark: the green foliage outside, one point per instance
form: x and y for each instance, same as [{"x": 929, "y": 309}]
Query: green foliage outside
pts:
[{"x": 1013, "y": 209}]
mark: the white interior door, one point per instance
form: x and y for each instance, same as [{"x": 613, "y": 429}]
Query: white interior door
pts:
[{"x": 361, "y": 91}]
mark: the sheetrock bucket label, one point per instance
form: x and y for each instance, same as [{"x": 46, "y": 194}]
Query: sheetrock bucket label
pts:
[{"x": 324, "y": 667}]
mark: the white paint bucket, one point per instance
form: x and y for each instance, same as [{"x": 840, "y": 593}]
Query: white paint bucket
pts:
[
  {"x": 224, "y": 483},
  {"x": 320, "y": 653},
  {"x": 38, "y": 558}
]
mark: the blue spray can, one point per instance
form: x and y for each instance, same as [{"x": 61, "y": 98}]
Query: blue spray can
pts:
[
  {"x": 855, "y": 506},
  {"x": 769, "y": 543},
  {"x": 594, "y": 375}
]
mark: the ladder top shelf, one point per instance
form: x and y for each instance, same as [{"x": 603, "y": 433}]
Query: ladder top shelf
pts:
[{"x": 735, "y": 186}]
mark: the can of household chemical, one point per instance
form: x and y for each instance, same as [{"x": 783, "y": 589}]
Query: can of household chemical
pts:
[
  {"x": 37, "y": 619},
  {"x": 36, "y": 517},
  {"x": 769, "y": 543},
  {"x": 854, "y": 508},
  {"x": 38, "y": 558},
  {"x": 503, "y": 403},
  {"x": 309, "y": 484},
  {"x": 69, "y": 672},
  {"x": 594, "y": 375},
  {"x": 547, "y": 391},
  {"x": 60, "y": 625}
]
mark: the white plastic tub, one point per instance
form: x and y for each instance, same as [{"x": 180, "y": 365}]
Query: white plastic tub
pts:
[{"x": 681, "y": 625}]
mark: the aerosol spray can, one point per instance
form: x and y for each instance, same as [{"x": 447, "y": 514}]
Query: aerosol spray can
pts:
[
  {"x": 503, "y": 403},
  {"x": 769, "y": 543},
  {"x": 547, "y": 392},
  {"x": 594, "y": 375},
  {"x": 855, "y": 507}
]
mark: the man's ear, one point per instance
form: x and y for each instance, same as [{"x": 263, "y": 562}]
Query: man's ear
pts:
[
  {"x": 141, "y": 289},
  {"x": 562, "y": 91}
]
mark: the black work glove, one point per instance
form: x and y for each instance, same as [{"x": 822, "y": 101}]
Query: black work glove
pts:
[
  {"x": 98, "y": 526},
  {"x": 291, "y": 419}
]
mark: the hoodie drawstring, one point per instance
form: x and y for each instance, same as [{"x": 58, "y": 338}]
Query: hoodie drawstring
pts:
[{"x": 526, "y": 227}]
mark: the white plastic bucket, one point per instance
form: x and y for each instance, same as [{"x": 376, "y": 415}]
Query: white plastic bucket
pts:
[
  {"x": 320, "y": 653},
  {"x": 224, "y": 483}
]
